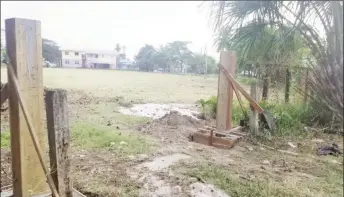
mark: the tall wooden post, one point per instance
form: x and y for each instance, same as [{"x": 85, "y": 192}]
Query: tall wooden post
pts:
[
  {"x": 253, "y": 122},
  {"x": 225, "y": 92},
  {"x": 59, "y": 140},
  {"x": 24, "y": 49}
]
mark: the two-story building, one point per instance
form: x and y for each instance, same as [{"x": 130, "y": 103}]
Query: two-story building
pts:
[{"x": 88, "y": 59}]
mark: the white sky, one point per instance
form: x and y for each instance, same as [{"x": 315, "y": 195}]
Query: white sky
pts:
[{"x": 100, "y": 25}]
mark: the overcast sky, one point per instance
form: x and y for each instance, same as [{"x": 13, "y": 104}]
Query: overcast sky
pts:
[{"x": 100, "y": 25}]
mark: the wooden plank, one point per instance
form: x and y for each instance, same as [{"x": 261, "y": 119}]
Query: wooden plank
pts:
[
  {"x": 253, "y": 102},
  {"x": 59, "y": 140},
  {"x": 204, "y": 139},
  {"x": 235, "y": 129},
  {"x": 211, "y": 137},
  {"x": 209, "y": 128},
  {"x": 225, "y": 92},
  {"x": 24, "y": 49}
]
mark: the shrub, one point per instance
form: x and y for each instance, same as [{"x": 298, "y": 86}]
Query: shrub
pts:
[
  {"x": 290, "y": 117},
  {"x": 208, "y": 107}
]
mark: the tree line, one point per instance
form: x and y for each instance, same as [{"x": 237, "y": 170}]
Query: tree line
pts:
[
  {"x": 174, "y": 57},
  {"x": 50, "y": 51}
]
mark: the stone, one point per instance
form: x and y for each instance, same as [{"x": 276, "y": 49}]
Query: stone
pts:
[
  {"x": 291, "y": 145},
  {"x": 249, "y": 148},
  {"x": 266, "y": 162}
]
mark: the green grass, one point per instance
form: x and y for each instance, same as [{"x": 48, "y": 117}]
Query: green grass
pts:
[
  {"x": 132, "y": 85},
  {"x": 246, "y": 80},
  {"x": 290, "y": 117},
  {"x": 5, "y": 139},
  {"x": 86, "y": 135},
  {"x": 331, "y": 184}
]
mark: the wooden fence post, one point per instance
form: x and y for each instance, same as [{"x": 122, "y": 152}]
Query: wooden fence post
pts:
[
  {"x": 253, "y": 122},
  {"x": 24, "y": 49},
  {"x": 225, "y": 92},
  {"x": 59, "y": 140}
]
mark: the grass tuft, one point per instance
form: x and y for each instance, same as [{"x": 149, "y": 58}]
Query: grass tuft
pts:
[
  {"x": 85, "y": 135},
  {"x": 236, "y": 186},
  {"x": 5, "y": 139}
]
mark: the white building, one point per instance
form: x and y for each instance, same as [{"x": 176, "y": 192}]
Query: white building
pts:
[{"x": 88, "y": 59}]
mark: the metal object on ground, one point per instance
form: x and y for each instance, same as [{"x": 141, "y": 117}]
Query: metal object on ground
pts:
[{"x": 210, "y": 136}]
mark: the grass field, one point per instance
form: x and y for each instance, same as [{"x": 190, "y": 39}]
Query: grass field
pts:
[
  {"x": 107, "y": 144},
  {"x": 137, "y": 86}
]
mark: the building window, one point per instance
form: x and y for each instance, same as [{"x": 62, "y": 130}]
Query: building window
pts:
[
  {"x": 66, "y": 53},
  {"x": 66, "y": 61},
  {"x": 96, "y": 55},
  {"x": 76, "y": 53},
  {"x": 76, "y": 62}
]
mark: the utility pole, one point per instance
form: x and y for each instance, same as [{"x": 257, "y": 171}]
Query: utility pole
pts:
[{"x": 206, "y": 60}]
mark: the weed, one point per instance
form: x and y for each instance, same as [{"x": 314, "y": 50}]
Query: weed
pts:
[
  {"x": 236, "y": 186},
  {"x": 5, "y": 139},
  {"x": 208, "y": 107},
  {"x": 290, "y": 117},
  {"x": 85, "y": 135},
  {"x": 246, "y": 80}
]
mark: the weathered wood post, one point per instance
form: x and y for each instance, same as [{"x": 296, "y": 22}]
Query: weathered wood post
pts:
[
  {"x": 59, "y": 140},
  {"x": 253, "y": 122},
  {"x": 24, "y": 49},
  {"x": 305, "y": 96},
  {"x": 225, "y": 92}
]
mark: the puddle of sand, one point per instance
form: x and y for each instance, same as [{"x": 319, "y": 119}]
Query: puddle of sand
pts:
[
  {"x": 157, "y": 111},
  {"x": 160, "y": 163},
  {"x": 155, "y": 185}
]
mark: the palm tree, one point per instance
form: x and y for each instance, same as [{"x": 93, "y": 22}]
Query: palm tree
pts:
[
  {"x": 264, "y": 48},
  {"x": 327, "y": 73}
]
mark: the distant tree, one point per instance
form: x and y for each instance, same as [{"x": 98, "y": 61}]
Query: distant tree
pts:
[
  {"x": 118, "y": 48},
  {"x": 145, "y": 58},
  {"x": 199, "y": 63},
  {"x": 174, "y": 57},
  {"x": 3, "y": 53},
  {"x": 51, "y": 51}
]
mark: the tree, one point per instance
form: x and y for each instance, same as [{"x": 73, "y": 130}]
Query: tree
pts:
[
  {"x": 327, "y": 69},
  {"x": 120, "y": 54},
  {"x": 118, "y": 48},
  {"x": 3, "y": 54},
  {"x": 173, "y": 57},
  {"x": 263, "y": 48},
  {"x": 145, "y": 58},
  {"x": 51, "y": 51},
  {"x": 197, "y": 64},
  {"x": 177, "y": 53}
]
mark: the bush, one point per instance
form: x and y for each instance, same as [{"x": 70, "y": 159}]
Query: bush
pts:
[
  {"x": 290, "y": 117},
  {"x": 208, "y": 107}
]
